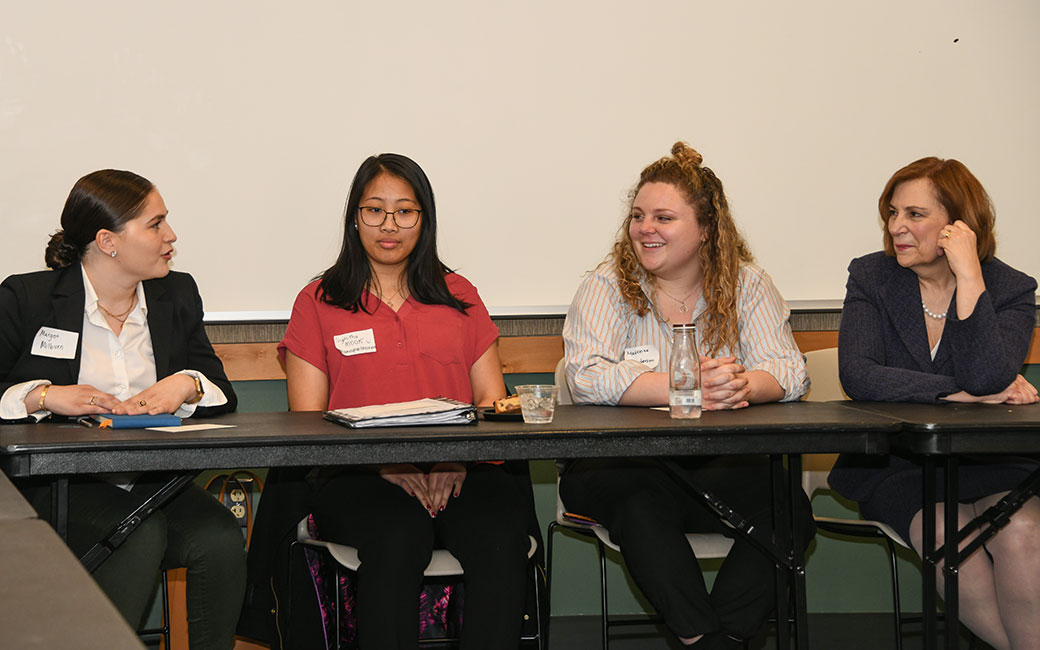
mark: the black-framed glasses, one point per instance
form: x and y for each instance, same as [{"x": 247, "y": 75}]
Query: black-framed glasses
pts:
[{"x": 375, "y": 217}]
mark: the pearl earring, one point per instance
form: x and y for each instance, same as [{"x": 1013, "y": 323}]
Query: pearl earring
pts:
[{"x": 113, "y": 253}]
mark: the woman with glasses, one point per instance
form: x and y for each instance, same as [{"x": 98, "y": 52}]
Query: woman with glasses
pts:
[{"x": 390, "y": 322}]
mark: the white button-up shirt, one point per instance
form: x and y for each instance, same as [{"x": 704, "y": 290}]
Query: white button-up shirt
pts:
[{"x": 122, "y": 366}]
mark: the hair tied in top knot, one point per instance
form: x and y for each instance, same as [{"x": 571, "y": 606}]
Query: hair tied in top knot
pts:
[{"x": 685, "y": 153}]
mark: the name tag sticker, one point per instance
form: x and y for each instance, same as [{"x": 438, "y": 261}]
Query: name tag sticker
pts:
[
  {"x": 55, "y": 343},
  {"x": 646, "y": 354},
  {"x": 359, "y": 342}
]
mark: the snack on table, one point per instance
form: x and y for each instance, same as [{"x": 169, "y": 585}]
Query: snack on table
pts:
[{"x": 509, "y": 404}]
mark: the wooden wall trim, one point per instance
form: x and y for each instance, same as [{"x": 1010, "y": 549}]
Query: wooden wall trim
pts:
[{"x": 519, "y": 354}]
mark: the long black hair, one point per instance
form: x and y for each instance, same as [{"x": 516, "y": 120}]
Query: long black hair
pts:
[
  {"x": 343, "y": 283},
  {"x": 103, "y": 200}
]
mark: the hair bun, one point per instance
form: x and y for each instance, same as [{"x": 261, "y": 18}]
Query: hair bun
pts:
[
  {"x": 60, "y": 253},
  {"x": 685, "y": 153}
]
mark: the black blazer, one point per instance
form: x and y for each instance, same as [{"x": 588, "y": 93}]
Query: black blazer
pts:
[
  {"x": 883, "y": 352},
  {"x": 56, "y": 299}
]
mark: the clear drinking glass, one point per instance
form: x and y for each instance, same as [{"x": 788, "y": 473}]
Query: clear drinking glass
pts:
[{"x": 537, "y": 402}]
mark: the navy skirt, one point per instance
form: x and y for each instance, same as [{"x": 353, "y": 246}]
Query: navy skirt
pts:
[{"x": 900, "y": 496}]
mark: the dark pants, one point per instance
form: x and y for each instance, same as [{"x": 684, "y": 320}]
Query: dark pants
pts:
[
  {"x": 193, "y": 531},
  {"x": 485, "y": 527},
  {"x": 648, "y": 515}
]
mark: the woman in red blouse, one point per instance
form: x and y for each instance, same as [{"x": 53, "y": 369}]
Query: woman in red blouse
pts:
[{"x": 390, "y": 322}]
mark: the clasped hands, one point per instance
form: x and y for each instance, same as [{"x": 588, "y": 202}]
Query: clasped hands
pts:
[
  {"x": 432, "y": 490},
  {"x": 724, "y": 384},
  {"x": 1019, "y": 392},
  {"x": 165, "y": 396}
]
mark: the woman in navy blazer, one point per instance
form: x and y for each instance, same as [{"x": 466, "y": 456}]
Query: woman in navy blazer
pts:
[
  {"x": 937, "y": 318},
  {"x": 111, "y": 329}
]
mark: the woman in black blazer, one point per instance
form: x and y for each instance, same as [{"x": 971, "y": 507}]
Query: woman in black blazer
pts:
[
  {"x": 937, "y": 318},
  {"x": 110, "y": 329}
]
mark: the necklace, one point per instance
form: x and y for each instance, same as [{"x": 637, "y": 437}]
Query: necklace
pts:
[
  {"x": 120, "y": 317},
  {"x": 390, "y": 301},
  {"x": 932, "y": 314},
  {"x": 682, "y": 303}
]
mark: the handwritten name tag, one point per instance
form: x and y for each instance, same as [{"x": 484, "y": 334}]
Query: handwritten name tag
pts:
[
  {"x": 645, "y": 354},
  {"x": 359, "y": 342},
  {"x": 55, "y": 343}
]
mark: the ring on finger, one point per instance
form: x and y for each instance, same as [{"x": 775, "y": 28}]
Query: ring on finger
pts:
[
  {"x": 143, "y": 403},
  {"x": 93, "y": 399},
  {"x": 946, "y": 234}
]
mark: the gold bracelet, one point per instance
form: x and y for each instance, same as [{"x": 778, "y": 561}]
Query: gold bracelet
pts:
[{"x": 43, "y": 396}]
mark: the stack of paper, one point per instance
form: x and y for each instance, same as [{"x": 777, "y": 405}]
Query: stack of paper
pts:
[{"x": 421, "y": 412}]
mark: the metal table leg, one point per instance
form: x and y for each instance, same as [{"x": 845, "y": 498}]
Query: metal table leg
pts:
[
  {"x": 798, "y": 590},
  {"x": 950, "y": 526},
  {"x": 60, "y": 507},
  {"x": 928, "y": 517}
]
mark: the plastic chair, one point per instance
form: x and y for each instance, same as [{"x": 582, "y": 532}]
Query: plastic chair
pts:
[
  {"x": 442, "y": 564},
  {"x": 826, "y": 386},
  {"x": 705, "y": 546}
]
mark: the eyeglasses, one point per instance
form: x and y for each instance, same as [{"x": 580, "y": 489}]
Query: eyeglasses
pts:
[{"x": 376, "y": 217}]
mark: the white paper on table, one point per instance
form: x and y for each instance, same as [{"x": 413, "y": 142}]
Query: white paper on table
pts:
[{"x": 192, "y": 427}]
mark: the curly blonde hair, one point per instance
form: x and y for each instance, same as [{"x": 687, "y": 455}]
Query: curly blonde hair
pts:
[{"x": 720, "y": 256}]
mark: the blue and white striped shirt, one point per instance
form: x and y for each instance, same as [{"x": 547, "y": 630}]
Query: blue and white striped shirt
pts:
[{"x": 603, "y": 336}]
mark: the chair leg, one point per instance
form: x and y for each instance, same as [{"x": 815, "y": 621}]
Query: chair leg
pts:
[
  {"x": 165, "y": 611},
  {"x": 548, "y": 563},
  {"x": 603, "y": 591},
  {"x": 897, "y": 609},
  {"x": 287, "y": 607},
  {"x": 338, "y": 600},
  {"x": 541, "y": 638}
]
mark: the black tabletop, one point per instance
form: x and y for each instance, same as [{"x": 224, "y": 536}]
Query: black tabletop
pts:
[
  {"x": 305, "y": 439},
  {"x": 953, "y": 428}
]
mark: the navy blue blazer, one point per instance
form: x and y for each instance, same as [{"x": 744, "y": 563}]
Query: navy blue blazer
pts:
[
  {"x": 883, "y": 352},
  {"x": 56, "y": 298}
]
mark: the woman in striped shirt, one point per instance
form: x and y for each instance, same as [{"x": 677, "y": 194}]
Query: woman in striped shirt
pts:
[{"x": 680, "y": 259}]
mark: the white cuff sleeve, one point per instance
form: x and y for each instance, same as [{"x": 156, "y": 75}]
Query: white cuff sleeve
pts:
[
  {"x": 12, "y": 404},
  {"x": 211, "y": 395}
]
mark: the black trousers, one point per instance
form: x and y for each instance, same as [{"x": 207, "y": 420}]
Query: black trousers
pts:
[
  {"x": 648, "y": 515},
  {"x": 192, "y": 530},
  {"x": 485, "y": 527}
]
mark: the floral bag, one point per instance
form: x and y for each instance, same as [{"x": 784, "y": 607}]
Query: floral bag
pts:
[{"x": 440, "y": 605}]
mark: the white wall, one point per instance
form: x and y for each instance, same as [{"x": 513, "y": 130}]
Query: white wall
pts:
[{"x": 532, "y": 120}]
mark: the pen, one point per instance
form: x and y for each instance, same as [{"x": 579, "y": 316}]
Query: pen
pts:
[{"x": 85, "y": 421}]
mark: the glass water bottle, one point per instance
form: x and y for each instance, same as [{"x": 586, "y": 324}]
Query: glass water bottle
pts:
[{"x": 684, "y": 373}]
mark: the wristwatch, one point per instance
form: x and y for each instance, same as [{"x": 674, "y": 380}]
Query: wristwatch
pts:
[{"x": 198, "y": 391}]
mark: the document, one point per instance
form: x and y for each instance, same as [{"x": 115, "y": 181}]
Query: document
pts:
[{"x": 421, "y": 412}]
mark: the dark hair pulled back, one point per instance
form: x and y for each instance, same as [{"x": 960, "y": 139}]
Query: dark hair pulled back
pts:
[{"x": 102, "y": 200}]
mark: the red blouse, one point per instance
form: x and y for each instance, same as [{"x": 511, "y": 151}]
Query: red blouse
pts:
[{"x": 419, "y": 351}]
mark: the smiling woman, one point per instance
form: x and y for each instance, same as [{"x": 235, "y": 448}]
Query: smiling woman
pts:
[
  {"x": 936, "y": 317},
  {"x": 680, "y": 259}
]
